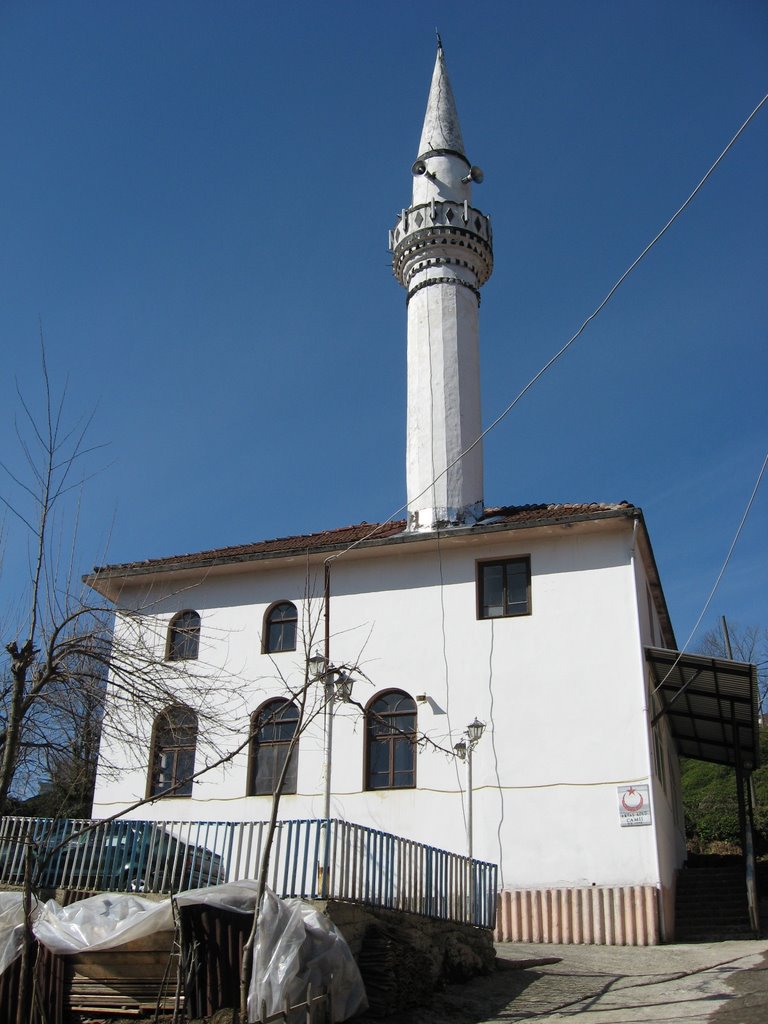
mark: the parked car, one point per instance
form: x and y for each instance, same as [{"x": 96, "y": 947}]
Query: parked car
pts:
[{"x": 119, "y": 856}]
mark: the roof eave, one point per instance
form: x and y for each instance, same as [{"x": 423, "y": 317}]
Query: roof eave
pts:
[
  {"x": 101, "y": 578},
  {"x": 654, "y": 582}
]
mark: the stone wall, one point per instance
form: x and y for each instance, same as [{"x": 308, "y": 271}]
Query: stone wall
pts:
[{"x": 404, "y": 958}]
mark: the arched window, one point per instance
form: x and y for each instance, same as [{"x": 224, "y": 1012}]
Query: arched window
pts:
[
  {"x": 280, "y": 628},
  {"x": 390, "y": 741},
  {"x": 183, "y": 636},
  {"x": 272, "y": 728},
  {"x": 174, "y": 741}
]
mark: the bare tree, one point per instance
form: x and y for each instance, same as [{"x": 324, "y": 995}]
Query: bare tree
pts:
[
  {"x": 64, "y": 736},
  {"x": 48, "y": 635},
  {"x": 72, "y": 677},
  {"x": 741, "y": 643},
  {"x": 66, "y": 665},
  {"x": 306, "y": 713},
  {"x": 312, "y": 698},
  {"x": 64, "y": 659}
]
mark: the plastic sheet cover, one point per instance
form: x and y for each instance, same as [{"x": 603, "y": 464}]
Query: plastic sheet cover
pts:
[
  {"x": 12, "y": 927},
  {"x": 111, "y": 919},
  {"x": 100, "y": 922},
  {"x": 297, "y": 946}
]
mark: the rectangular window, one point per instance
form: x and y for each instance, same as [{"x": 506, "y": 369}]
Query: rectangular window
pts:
[{"x": 504, "y": 588}]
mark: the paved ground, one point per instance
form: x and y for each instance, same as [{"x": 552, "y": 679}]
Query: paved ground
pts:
[{"x": 718, "y": 982}]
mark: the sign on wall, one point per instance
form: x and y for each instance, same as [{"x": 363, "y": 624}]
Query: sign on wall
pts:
[{"x": 634, "y": 805}]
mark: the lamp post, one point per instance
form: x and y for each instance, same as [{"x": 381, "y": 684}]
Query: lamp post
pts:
[
  {"x": 463, "y": 750},
  {"x": 338, "y": 686}
]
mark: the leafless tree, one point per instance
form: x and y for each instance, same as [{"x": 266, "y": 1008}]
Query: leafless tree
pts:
[
  {"x": 312, "y": 698},
  {"x": 307, "y": 711},
  {"x": 64, "y": 659},
  {"x": 741, "y": 643},
  {"x": 71, "y": 677},
  {"x": 63, "y": 655}
]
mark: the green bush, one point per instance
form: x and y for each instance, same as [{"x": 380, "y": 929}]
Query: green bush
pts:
[{"x": 711, "y": 805}]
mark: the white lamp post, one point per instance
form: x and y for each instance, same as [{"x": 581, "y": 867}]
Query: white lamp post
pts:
[
  {"x": 463, "y": 750},
  {"x": 338, "y": 685}
]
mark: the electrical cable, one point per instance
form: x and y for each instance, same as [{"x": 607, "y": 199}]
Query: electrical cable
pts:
[
  {"x": 720, "y": 575},
  {"x": 551, "y": 362}
]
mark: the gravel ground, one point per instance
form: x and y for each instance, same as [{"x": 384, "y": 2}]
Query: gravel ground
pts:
[
  {"x": 720, "y": 983},
  {"x": 716, "y": 983}
]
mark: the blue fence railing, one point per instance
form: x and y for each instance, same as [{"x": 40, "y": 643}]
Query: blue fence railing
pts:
[{"x": 311, "y": 858}]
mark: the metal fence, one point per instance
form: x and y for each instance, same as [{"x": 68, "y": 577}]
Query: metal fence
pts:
[{"x": 311, "y": 858}]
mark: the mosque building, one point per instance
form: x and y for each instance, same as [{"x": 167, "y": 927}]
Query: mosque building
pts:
[{"x": 546, "y": 624}]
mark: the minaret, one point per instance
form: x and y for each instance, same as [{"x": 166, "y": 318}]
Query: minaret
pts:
[{"x": 441, "y": 254}]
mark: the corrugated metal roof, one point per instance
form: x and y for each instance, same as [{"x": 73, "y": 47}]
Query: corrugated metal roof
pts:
[{"x": 711, "y": 705}]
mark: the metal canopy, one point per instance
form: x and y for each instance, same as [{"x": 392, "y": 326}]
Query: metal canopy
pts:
[{"x": 711, "y": 706}]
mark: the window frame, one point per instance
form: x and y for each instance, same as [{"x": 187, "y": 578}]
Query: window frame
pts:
[
  {"x": 254, "y": 744},
  {"x": 267, "y": 623},
  {"x": 156, "y": 751},
  {"x": 391, "y": 757},
  {"x": 189, "y": 634},
  {"x": 485, "y": 563}
]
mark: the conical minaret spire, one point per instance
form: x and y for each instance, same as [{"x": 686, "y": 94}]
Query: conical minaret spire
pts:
[
  {"x": 442, "y": 255},
  {"x": 441, "y": 131}
]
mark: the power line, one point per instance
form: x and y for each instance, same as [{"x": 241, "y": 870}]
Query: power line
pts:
[
  {"x": 720, "y": 575},
  {"x": 551, "y": 362},
  {"x": 615, "y": 287}
]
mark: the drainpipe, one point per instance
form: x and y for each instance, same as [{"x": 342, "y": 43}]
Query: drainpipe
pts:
[
  {"x": 633, "y": 545},
  {"x": 328, "y": 694}
]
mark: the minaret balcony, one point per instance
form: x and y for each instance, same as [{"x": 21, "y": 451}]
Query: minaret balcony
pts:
[{"x": 445, "y": 234}]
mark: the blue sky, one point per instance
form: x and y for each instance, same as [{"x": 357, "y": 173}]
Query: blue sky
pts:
[{"x": 195, "y": 204}]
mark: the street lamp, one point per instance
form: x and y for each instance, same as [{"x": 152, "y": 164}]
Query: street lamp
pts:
[
  {"x": 463, "y": 750},
  {"x": 316, "y": 666},
  {"x": 338, "y": 686},
  {"x": 475, "y": 730}
]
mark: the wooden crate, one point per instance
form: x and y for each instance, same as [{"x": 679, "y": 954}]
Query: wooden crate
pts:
[{"x": 126, "y": 980}]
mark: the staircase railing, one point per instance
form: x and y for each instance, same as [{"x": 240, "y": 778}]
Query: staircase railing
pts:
[{"x": 310, "y": 858}]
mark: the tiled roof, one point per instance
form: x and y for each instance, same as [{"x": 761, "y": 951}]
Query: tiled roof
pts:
[
  {"x": 543, "y": 513},
  {"x": 340, "y": 537},
  {"x": 345, "y": 536}
]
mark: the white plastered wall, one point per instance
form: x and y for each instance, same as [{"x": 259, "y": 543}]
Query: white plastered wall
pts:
[
  {"x": 666, "y": 786},
  {"x": 562, "y": 691}
]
